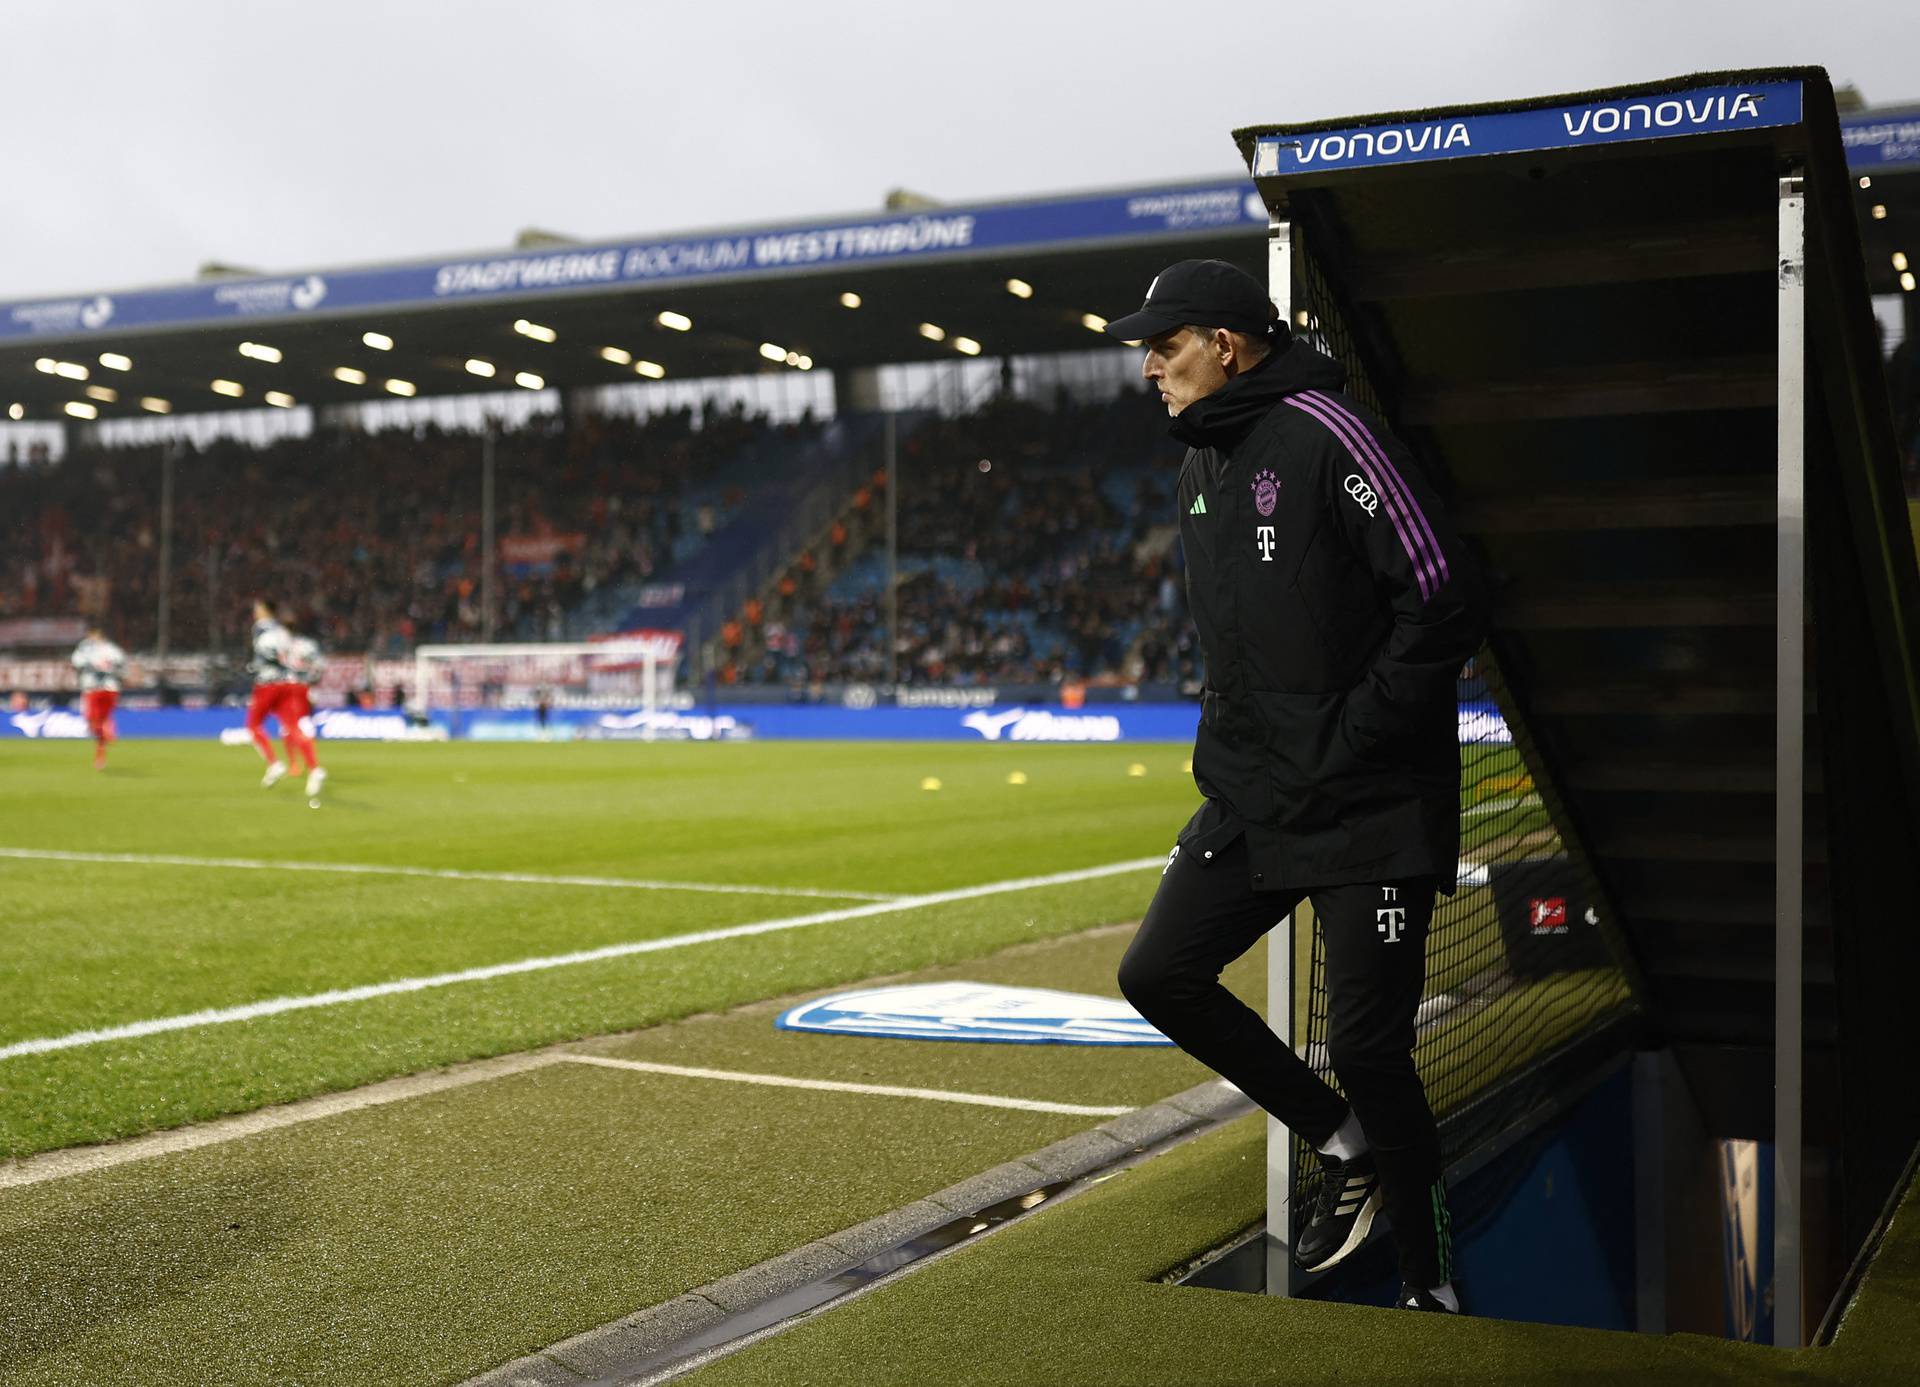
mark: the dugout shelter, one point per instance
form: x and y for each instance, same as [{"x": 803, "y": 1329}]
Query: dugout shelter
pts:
[{"x": 1631, "y": 331}]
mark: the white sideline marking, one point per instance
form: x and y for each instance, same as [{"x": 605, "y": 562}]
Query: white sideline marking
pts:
[
  {"x": 57, "y": 1165},
  {"x": 214, "y": 1016},
  {"x": 254, "y": 864},
  {"x": 935, "y": 1095}
]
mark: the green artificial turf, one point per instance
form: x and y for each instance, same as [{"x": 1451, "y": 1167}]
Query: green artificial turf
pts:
[
  {"x": 1069, "y": 1297},
  {"x": 95, "y": 945},
  {"x": 428, "y": 1240},
  {"x": 1882, "y": 1323}
]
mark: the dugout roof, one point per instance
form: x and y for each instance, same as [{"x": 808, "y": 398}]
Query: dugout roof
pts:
[{"x": 742, "y": 288}]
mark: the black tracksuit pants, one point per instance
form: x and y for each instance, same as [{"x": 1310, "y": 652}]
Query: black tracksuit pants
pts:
[{"x": 1205, "y": 915}]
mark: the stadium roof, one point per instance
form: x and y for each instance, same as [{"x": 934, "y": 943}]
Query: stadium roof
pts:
[
  {"x": 926, "y": 284},
  {"x": 764, "y": 298}
]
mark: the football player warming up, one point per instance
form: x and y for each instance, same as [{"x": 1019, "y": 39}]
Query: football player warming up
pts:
[{"x": 101, "y": 664}]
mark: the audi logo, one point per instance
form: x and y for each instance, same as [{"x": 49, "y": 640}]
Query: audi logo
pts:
[{"x": 1358, "y": 489}]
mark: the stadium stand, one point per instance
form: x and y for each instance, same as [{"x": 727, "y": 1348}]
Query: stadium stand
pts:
[
  {"x": 1036, "y": 546},
  {"x": 373, "y": 539}
]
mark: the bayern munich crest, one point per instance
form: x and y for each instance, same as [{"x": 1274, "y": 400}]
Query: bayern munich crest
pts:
[{"x": 1266, "y": 492}]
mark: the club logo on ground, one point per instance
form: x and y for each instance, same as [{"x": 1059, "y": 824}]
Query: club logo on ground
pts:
[
  {"x": 975, "y": 1011},
  {"x": 1266, "y": 492},
  {"x": 1358, "y": 489}
]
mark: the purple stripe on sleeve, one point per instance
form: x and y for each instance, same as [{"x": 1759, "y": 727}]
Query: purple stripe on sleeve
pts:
[
  {"x": 1408, "y": 536},
  {"x": 1380, "y": 455},
  {"x": 1399, "y": 502}
]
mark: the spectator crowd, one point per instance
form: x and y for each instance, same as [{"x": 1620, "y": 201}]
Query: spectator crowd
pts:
[
  {"x": 370, "y": 541},
  {"x": 1035, "y": 546}
]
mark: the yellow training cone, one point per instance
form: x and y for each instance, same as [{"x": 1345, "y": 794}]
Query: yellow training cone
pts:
[
  {"x": 1136, "y": 769},
  {"x": 1187, "y": 766},
  {"x": 932, "y": 782},
  {"x": 1016, "y": 777}
]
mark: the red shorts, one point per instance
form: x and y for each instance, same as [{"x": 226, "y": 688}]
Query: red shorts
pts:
[
  {"x": 300, "y": 701},
  {"x": 99, "y": 706},
  {"x": 287, "y": 702}
]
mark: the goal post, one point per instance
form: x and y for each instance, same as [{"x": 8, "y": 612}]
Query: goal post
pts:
[{"x": 623, "y": 672}]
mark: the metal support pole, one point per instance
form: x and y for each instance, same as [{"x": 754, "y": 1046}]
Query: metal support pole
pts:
[
  {"x": 163, "y": 618},
  {"x": 213, "y": 596},
  {"x": 1282, "y": 1276},
  {"x": 1789, "y": 770},
  {"x": 893, "y": 549},
  {"x": 486, "y": 533}
]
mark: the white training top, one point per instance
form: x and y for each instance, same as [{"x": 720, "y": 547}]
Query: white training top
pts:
[
  {"x": 270, "y": 641},
  {"x": 303, "y": 660},
  {"x": 100, "y": 663}
]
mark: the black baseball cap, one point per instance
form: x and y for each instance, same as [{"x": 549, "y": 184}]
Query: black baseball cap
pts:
[{"x": 1207, "y": 293}]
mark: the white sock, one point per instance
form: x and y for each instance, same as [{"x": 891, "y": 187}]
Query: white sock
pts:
[
  {"x": 1347, "y": 1140},
  {"x": 1447, "y": 1296}
]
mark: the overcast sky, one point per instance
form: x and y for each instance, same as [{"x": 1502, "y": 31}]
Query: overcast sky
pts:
[{"x": 144, "y": 138}]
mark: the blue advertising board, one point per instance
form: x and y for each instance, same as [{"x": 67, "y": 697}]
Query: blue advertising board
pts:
[
  {"x": 1882, "y": 141},
  {"x": 1699, "y": 111},
  {"x": 1104, "y": 723},
  {"x": 857, "y": 241},
  {"x": 204, "y": 724}
]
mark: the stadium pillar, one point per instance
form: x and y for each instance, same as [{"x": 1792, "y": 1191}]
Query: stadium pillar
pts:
[
  {"x": 487, "y": 557},
  {"x": 163, "y": 616},
  {"x": 1790, "y": 686},
  {"x": 213, "y": 596},
  {"x": 856, "y": 390},
  {"x": 1282, "y": 1276},
  {"x": 893, "y": 550}
]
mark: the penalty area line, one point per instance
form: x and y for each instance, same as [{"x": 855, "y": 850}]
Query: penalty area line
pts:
[
  {"x": 255, "y": 864},
  {"x": 252, "y": 1011}
]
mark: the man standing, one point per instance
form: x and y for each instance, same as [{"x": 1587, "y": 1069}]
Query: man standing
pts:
[
  {"x": 1335, "y": 606},
  {"x": 100, "y": 664}
]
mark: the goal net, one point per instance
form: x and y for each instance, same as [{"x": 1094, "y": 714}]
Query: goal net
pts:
[{"x": 631, "y": 673}]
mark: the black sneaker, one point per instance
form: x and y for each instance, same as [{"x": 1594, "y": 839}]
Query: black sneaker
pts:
[
  {"x": 1342, "y": 1214},
  {"x": 1413, "y": 1298}
]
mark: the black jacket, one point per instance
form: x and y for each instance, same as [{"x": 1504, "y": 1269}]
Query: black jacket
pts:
[{"x": 1336, "y": 606}]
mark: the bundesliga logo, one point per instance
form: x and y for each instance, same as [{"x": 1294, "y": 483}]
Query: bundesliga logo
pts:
[{"x": 1266, "y": 492}]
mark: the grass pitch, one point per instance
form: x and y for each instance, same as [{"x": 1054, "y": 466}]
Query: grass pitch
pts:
[{"x": 98, "y": 945}]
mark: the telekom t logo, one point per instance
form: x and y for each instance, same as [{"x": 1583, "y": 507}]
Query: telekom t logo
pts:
[
  {"x": 1263, "y": 536},
  {"x": 1392, "y": 918}
]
